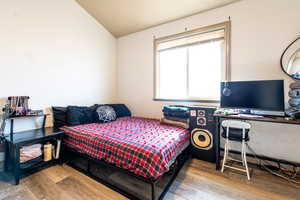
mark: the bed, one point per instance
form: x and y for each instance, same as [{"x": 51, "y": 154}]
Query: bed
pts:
[{"x": 136, "y": 156}]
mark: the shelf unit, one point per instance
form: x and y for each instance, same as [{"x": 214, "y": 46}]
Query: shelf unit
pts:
[
  {"x": 12, "y": 120},
  {"x": 15, "y": 141}
]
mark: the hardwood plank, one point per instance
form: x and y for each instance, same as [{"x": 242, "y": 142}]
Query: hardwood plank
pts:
[
  {"x": 43, "y": 187},
  {"x": 78, "y": 190},
  {"x": 194, "y": 187},
  {"x": 197, "y": 180},
  {"x": 172, "y": 196},
  {"x": 22, "y": 194},
  {"x": 56, "y": 173},
  {"x": 237, "y": 183},
  {"x": 7, "y": 190},
  {"x": 94, "y": 185}
]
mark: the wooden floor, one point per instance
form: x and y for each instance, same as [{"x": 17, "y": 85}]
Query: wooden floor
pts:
[{"x": 197, "y": 180}]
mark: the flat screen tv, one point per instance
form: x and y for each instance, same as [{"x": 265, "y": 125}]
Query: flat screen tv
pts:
[{"x": 267, "y": 95}]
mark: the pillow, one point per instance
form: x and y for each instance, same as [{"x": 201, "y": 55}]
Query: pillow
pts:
[
  {"x": 120, "y": 109},
  {"x": 106, "y": 113},
  {"x": 59, "y": 116},
  {"x": 77, "y": 115}
]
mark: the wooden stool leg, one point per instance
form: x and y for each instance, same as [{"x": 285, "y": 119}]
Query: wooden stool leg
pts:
[
  {"x": 224, "y": 158},
  {"x": 245, "y": 160},
  {"x": 225, "y": 154},
  {"x": 242, "y": 154}
]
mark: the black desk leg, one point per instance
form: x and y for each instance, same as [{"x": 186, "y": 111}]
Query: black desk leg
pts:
[
  {"x": 218, "y": 126},
  {"x": 16, "y": 164},
  {"x": 11, "y": 129},
  {"x": 6, "y": 162}
]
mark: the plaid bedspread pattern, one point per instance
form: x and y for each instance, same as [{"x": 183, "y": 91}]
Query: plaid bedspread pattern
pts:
[{"x": 142, "y": 146}]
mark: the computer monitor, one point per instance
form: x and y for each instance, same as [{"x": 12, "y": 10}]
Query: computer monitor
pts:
[{"x": 261, "y": 97}]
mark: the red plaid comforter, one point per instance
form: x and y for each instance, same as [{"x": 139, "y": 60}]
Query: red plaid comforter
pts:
[{"x": 143, "y": 146}]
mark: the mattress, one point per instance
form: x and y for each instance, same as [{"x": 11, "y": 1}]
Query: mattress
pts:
[{"x": 143, "y": 146}]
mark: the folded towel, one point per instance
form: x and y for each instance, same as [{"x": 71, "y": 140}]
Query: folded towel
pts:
[
  {"x": 30, "y": 152},
  {"x": 183, "y": 115},
  {"x": 178, "y": 119},
  {"x": 174, "y": 123},
  {"x": 175, "y": 108}
]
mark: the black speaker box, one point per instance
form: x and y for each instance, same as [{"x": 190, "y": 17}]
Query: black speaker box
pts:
[{"x": 203, "y": 133}]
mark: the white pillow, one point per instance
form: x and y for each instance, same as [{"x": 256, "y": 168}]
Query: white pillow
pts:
[{"x": 106, "y": 113}]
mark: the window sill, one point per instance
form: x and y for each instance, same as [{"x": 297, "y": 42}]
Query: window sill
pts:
[{"x": 188, "y": 100}]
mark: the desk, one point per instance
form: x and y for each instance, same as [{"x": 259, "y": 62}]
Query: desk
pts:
[{"x": 219, "y": 118}]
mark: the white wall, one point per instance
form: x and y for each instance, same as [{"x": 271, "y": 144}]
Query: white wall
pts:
[
  {"x": 261, "y": 29},
  {"x": 56, "y": 53}
]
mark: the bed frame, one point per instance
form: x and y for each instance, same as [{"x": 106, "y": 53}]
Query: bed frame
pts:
[{"x": 122, "y": 180}]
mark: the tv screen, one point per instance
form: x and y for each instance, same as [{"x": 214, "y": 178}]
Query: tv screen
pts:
[{"x": 259, "y": 95}]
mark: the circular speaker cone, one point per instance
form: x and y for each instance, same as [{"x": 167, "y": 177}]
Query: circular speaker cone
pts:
[
  {"x": 201, "y": 121},
  {"x": 202, "y": 139},
  {"x": 201, "y": 113}
]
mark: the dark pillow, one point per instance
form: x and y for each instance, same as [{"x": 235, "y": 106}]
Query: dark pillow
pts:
[
  {"x": 77, "y": 115},
  {"x": 120, "y": 109},
  {"x": 105, "y": 113},
  {"x": 59, "y": 116}
]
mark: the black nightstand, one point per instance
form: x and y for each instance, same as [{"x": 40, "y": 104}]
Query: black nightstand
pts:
[{"x": 18, "y": 140}]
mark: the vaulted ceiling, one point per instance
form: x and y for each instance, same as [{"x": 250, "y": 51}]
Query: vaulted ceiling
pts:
[{"x": 122, "y": 17}]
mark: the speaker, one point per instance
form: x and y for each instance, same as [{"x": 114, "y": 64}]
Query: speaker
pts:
[{"x": 203, "y": 133}]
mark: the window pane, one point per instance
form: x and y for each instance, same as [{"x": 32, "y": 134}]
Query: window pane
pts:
[
  {"x": 172, "y": 74},
  {"x": 205, "y": 62}
]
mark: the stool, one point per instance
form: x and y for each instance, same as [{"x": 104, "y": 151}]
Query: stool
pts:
[{"x": 234, "y": 130}]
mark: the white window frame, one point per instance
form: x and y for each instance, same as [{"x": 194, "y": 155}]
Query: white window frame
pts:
[{"x": 226, "y": 72}]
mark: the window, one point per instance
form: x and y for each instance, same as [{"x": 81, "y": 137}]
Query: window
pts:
[{"x": 191, "y": 65}]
